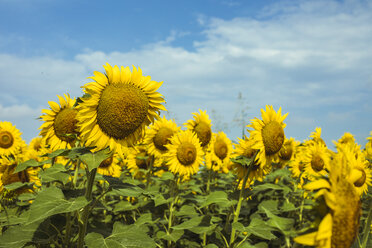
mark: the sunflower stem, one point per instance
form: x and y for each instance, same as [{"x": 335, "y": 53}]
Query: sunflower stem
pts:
[
  {"x": 83, "y": 222},
  {"x": 367, "y": 226},
  {"x": 174, "y": 194},
  {"x": 238, "y": 207}
]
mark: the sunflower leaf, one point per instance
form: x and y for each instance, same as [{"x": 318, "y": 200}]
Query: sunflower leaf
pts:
[
  {"x": 122, "y": 236},
  {"x": 93, "y": 160},
  {"x": 25, "y": 165},
  {"x": 51, "y": 201}
]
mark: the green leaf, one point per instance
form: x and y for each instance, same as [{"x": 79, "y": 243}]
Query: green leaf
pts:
[
  {"x": 18, "y": 236},
  {"x": 122, "y": 236},
  {"x": 17, "y": 185},
  {"x": 186, "y": 210},
  {"x": 144, "y": 219},
  {"x": 189, "y": 223},
  {"x": 25, "y": 165},
  {"x": 93, "y": 160},
  {"x": 55, "y": 173},
  {"x": 124, "y": 206},
  {"x": 266, "y": 186},
  {"x": 50, "y": 201},
  {"x": 211, "y": 246},
  {"x": 174, "y": 236},
  {"x": 268, "y": 205},
  {"x": 243, "y": 160},
  {"x": 218, "y": 197},
  {"x": 259, "y": 228},
  {"x": 160, "y": 200},
  {"x": 60, "y": 152}
]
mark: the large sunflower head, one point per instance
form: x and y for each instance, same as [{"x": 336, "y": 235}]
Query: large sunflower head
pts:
[
  {"x": 117, "y": 107},
  {"x": 11, "y": 142},
  {"x": 60, "y": 124},
  {"x": 217, "y": 157},
  {"x": 158, "y": 135},
  {"x": 201, "y": 126},
  {"x": 268, "y": 134},
  {"x": 184, "y": 155},
  {"x": 339, "y": 226}
]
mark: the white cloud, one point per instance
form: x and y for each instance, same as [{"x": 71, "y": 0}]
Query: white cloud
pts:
[{"x": 307, "y": 57}]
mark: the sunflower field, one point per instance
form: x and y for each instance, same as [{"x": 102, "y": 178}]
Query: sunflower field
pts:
[{"x": 108, "y": 171}]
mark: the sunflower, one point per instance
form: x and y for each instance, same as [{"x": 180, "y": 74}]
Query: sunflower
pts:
[
  {"x": 138, "y": 158},
  {"x": 268, "y": 134},
  {"x": 60, "y": 123},
  {"x": 360, "y": 174},
  {"x": 184, "y": 153},
  {"x": 287, "y": 152},
  {"x": 158, "y": 135},
  {"x": 117, "y": 107},
  {"x": 201, "y": 126},
  {"x": 315, "y": 160},
  {"x": 7, "y": 176},
  {"x": 316, "y": 136},
  {"x": 244, "y": 148},
  {"x": 368, "y": 148},
  {"x": 217, "y": 157},
  {"x": 11, "y": 142},
  {"x": 339, "y": 226},
  {"x": 110, "y": 166}
]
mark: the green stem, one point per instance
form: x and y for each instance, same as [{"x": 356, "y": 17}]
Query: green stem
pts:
[
  {"x": 174, "y": 194},
  {"x": 238, "y": 207},
  {"x": 83, "y": 222},
  {"x": 367, "y": 226}
]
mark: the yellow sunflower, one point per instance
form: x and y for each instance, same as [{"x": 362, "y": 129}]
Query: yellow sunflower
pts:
[
  {"x": 201, "y": 126},
  {"x": 315, "y": 160},
  {"x": 139, "y": 158},
  {"x": 60, "y": 123},
  {"x": 37, "y": 144},
  {"x": 340, "y": 225},
  {"x": 316, "y": 136},
  {"x": 184, "y": 155},
  {"x": 268, "y": 134},
  {"x": 217, "y": 157},
  {"x": 11, "y": 142},
  {"x": 7, "y": 176},
  {"x": 158, "y": 135},
  {"x": 118, "y": 107},
  {"x": 244, "y": 148},
  {"x": 288, "y": 151},
  {"x": 360, "y": 174},
  {"x": 110, "y": 166}
]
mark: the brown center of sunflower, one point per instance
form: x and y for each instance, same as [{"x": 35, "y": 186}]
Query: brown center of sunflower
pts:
[
  {"x": 360, "y": 182},
  {"x": 317, "y": 163},
  {"x": 204, "y": 133},
  {"x": 8, "y": 177},
  {"x": 6, "y": 139},
  {"x": 122, "y": 108},
  {"x": 272, "y": 137},
  {"x": 106, "y": 163},
  {"x": 162, "y": 138},
  {"x": 65, "y": 123},
  {"x": 249, "y": 152},
  {"x": 220, "y": 149},
  {"x": 140, "y": 162},
  {"x": 186, "y": 153},
  {"x": 285, "y": 152}
]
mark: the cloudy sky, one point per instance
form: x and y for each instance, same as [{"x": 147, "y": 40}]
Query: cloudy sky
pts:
[{"x": 312, "y": 58}]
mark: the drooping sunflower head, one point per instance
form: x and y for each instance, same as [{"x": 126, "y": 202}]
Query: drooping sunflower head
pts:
[
  {"x": 288, "y": 150},
  {"x": 59, "y": 129},
  {"x": 11, "y": 142},
  {"x": 110, "y": 166},
  {"x": 139, "y": 159},
  {"x": 158, "y": 135},
  {"x": 201, "y": 126},
  {"x": 37, "y": 144},
  {"x": 184, "y": 155},
  {"x": 268, "y": 134},
  {"x": 339, "y": 226},
  {"x": 245, "y": 148},
  {"x": 118, "y": 107},
  {"x": 217, "y": 157}
]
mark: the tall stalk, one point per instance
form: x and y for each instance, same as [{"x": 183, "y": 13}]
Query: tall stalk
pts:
[
  {"x": 241, "y": 194},
  {"x": 83, "y": 221}
]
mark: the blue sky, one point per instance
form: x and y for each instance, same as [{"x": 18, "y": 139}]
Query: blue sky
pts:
[{"x": 312, "y": 58}]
